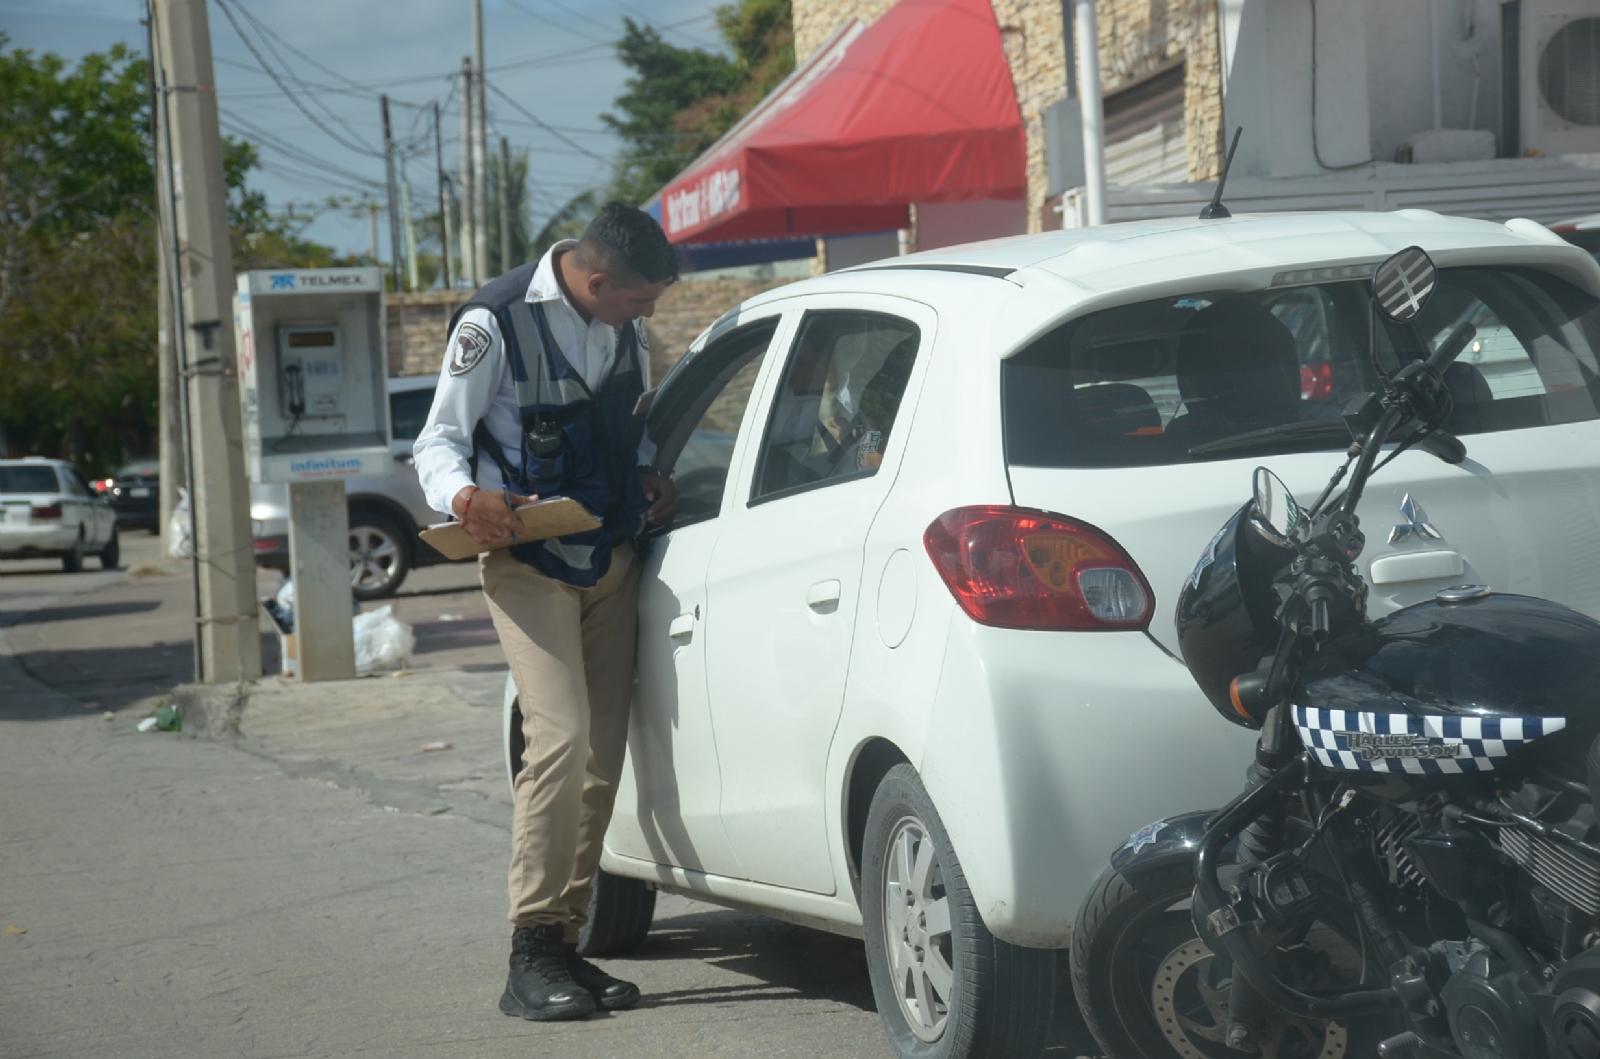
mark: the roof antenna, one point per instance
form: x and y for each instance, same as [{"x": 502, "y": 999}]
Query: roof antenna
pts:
[{"x": 1215, "y": 210}]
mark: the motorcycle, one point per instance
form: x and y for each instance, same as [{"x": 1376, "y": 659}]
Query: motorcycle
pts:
[{"x": 1413, "y": 869}]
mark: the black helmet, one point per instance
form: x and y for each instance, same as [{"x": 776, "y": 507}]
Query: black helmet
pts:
[{"x": 1225, "y": 612}]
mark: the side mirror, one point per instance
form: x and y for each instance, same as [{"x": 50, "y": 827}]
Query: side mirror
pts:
[
  {"x": 1403, "y": 284},
  {"x": 1277, "y": 514}
]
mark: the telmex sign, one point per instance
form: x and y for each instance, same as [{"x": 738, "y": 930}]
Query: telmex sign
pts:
[
  {"x": 309, "y": 279},
  {"x": 712, "y": 195}
]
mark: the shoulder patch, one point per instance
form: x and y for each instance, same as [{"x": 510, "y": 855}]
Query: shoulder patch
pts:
[{"x": 468, "y": 349}]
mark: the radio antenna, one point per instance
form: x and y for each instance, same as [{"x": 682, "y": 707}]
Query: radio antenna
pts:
[{"x": 1215, "y": 210}]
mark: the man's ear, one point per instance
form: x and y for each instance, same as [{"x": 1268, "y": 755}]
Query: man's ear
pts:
[{"x": 597, "y": 284}]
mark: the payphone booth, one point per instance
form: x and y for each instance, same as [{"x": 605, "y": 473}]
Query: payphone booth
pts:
[{"x": 313, "y": 374}]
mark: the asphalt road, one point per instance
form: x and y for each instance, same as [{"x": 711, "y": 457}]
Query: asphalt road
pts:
[{"x": 167, "y": 896}]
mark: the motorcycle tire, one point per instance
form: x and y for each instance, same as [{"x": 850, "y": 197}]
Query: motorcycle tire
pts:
[{"x": 1140, "y": 974}]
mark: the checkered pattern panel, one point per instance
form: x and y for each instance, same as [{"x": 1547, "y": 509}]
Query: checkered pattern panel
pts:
[{"x": 1398, "y": 742}]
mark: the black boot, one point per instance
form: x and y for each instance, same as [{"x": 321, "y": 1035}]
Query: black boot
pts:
[
  {"x": 612, "y": 994},
  {"x": 539, "y": 986}
]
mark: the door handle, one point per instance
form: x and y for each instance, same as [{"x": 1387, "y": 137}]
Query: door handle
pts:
[
  {"x": 682, "y": 627},
  {"x": 822, "y": 593},
  {"x": 1417, "y": 566}
]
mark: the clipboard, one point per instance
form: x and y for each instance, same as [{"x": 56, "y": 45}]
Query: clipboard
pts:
[{"x": 556, "y": 516}]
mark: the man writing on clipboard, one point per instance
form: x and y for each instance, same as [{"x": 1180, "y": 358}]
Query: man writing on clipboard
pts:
[{"x": 540, "y": 396}]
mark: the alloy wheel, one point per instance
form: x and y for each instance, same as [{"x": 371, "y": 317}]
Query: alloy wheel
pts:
[
  {"x": 374, "y": 556},
  {"x": 916, "y": 914}
]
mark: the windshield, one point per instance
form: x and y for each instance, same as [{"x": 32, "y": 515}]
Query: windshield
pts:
[
  {"x": 1143, "y": 384},
  {"x": 40, "y": 479}
]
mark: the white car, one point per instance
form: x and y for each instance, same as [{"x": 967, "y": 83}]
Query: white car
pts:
[
  {"x": 47, "y": 510},
  {"x": 907, "y": 668}
]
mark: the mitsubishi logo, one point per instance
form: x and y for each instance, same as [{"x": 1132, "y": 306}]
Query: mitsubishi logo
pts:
[{"x": 1416, "y": 523}]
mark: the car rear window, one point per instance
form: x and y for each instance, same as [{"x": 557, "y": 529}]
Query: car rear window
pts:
[
  {"x": 28, "y": 480},
  {"x": 1144, "y": 384}
]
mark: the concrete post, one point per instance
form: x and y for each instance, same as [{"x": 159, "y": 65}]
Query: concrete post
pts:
[
  {"x": 227, "y": 625},
  {"x": 480, "y": 152},
  {"x": 468, "y": 186},
  {"x": 505, "y": 205},
  {"x": 1087, "y": 38},
  {"x": 319, "y": 563},
  {"x": 447, "y": 274}
]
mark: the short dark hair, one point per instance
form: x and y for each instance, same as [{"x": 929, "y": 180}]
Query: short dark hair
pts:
[{"x": 629, "y": 246}]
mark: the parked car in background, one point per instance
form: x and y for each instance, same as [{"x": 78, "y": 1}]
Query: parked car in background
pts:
[
  {"x": 134, "y": 492},
  {"x": 386, "y": 514},
  {"x": 48, "y": 510},
  {"x": 907, "y": 665}
]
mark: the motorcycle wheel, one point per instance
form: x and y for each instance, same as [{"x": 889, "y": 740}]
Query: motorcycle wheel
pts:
[{"x": 1149, "y": 988}]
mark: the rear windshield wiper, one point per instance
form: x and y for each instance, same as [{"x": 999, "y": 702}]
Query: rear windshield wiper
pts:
[
  {"x": 1321, "y": 430},
  {"x": 1440, "y": 443}
]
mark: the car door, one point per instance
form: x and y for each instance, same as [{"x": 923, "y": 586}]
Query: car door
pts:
[
  {"x": 82, "y": 507},
  {"x": 669, "y": 798},
  {"x": 784, "y": 580}
]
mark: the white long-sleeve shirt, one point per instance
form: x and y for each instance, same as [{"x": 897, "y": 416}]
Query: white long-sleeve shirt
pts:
[{"x": 476, "y": 383}]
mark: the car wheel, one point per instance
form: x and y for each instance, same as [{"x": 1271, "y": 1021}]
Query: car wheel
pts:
[
  {"x": 946, "y": 988},
  {"x": 379, "y": 556},
  {"x": 111, "y": 554},
  {"x": 72, "y": 562},
  {"x": 620, "y": 913}
]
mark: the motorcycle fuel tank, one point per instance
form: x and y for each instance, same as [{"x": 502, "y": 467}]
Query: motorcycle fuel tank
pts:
[{"x": 1450, "y": 686}]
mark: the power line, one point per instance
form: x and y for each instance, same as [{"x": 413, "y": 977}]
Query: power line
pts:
[
  {"x": 519, "y": 108},
  {"x": 357, "y": 147}
]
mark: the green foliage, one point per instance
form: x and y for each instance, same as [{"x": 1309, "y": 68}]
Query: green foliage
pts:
[
  {"x": 678, "y": 101},
  {"x": 567, "y": 223},
  {"x": 79, "y": 254}
]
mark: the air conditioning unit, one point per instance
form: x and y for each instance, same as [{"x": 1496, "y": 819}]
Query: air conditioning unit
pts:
[{"x": 1560, "y": 77}]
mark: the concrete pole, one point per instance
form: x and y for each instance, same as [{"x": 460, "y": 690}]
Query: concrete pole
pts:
[
  {"x": 480, "y": 151},
  {"x": 444, "y": 206},
  {"x": 227, "y": 625},
  {"x": 396, "y": 255},
  {"x": 1094, "y": 118},
  {"x": 372, "y": 221},
  {"x": 469, "y": 253},
  {"x": 319, "y": 563},
  {"x": 169, "y": 429},
  {"x": 505, "y": 205},
  {"x": 409, "y": 232}
]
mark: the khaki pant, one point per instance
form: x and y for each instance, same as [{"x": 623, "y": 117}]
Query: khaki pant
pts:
[{"x": 571, "y": 652}]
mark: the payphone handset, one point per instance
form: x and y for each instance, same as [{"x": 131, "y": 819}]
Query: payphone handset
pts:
[{"x": 311, "y": 370}]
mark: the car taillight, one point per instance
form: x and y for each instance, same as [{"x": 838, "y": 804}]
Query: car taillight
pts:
[
  {"x": 53, "y": 511},
  {"x": 1316, "y": 381},
  {"x": 1021, "y": 569}
]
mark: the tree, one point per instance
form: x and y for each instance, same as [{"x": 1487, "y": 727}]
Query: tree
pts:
[
  {"x": 78, "y": 254},
  {"x": 678, "y": 101}
]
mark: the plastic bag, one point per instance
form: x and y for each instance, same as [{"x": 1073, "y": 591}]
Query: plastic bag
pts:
[
  {"x": 383, "y": 641},
  {"x": 178, "y": 546}
]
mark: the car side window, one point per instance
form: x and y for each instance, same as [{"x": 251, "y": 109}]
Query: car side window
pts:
[
  {"x": 837, "y": 402},
  {"x": 408, "y": 412},
  {"x": 695, "y": 417},
  {"x": 75, "y": 483}
]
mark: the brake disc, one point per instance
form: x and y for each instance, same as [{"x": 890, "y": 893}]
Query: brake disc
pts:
[{"x": 1329, "y": 1039}]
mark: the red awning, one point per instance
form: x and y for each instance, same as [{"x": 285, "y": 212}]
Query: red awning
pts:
[{"x": 917, "y": 108}]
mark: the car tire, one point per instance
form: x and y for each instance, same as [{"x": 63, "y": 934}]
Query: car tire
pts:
[
  {"x": 72, "y": 562},
  {"x": 111, "y": 554},
  {"x": 620, "y": 913},
  {"x": 1128, "y": 940},
  {"x": 380, "y": 555},
  {"x": 923, "y": 932}
]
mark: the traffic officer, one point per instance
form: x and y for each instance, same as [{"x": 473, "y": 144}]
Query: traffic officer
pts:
[{"x": 540, "y": 395}]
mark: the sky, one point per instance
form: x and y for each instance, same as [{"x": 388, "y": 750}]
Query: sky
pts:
[{"x": 554, "y": 59}]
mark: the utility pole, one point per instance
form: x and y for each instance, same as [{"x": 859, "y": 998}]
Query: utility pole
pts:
[
  {"x": 226, "y": 622},
  {"x": 469, "y": 253},
  {"x": 395, "y": 253},
  {"x": 444, "y": 206},
  {"x": 480, "y": 150},
  {"x": 407, "y": 230},
  {"x": 1093, "y": 110},
  {"x": 505, "y": 205},
  {"x": 372, "y": 222},
  {"x": 169, "y": 436}
]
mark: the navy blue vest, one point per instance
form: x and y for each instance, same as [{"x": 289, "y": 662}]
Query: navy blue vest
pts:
[{"x": 597, "y": 464}]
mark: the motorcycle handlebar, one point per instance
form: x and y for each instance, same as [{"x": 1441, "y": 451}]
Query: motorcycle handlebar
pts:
[
  {"x": 1319, "y": 620},
  {"x": 1451, "y": 347}
]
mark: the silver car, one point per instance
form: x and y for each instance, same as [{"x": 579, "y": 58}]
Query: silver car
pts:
[{"x": 386, "y": 514}]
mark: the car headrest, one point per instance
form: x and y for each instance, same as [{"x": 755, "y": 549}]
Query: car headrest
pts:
[
  {"x": 1237, "y": 364},
  {"x": 1118, "y": 408}
]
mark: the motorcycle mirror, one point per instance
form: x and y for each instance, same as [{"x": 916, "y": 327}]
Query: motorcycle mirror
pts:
[
  {"x": 1277, "y": 514},
  {"x": 1402, "y": 285}
]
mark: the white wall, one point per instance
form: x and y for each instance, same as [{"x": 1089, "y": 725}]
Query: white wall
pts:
[
  {"x": 1400, "y": 71},
  {"x": 951, "y": 223}
]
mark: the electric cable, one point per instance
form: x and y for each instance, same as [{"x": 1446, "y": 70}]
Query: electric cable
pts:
[
  {"x": 519, "y": 108},
  {"x": 1316, "y": 150}
]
